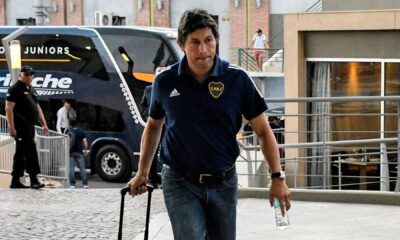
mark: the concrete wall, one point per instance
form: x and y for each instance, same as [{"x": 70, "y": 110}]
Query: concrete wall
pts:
[
  {"x": 15, "y": 11},
  {"x": 352, "y": 44},
  {"x": 122, "y": 8},
  {"x": 290, "y": 6},
  {"x": 348, "y": 5},
  {"x": 277, "y": 9},
  {"x": 219, "y": 8},
  {"x": 297, "y": 27},
  {"x": 271, "y": 86}
]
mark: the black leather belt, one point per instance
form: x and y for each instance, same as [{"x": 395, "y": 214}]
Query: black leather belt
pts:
[{"x": 208, "y": 178}]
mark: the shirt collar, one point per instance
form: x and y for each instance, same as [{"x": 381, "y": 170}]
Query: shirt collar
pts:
[{"x": 215, "y": 72}]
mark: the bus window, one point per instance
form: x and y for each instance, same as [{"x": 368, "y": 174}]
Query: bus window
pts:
[
  {"x": 63, "y": 53},
  {"x": 146, "y": 52},
  {"x": 98, "y": 118}
]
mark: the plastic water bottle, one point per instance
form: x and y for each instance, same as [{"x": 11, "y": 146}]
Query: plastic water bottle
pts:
[{"x": 282, "y": 222}]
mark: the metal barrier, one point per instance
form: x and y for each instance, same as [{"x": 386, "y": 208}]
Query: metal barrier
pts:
[
  {"x": 53, "y": 152},
  {"x": 272, "y": 59},
  {"x": 341, "y": 158}
]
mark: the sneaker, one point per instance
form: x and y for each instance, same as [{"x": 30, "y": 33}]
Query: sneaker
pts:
[
  {"x": 17, "y": 185},
  {"x": 37, "y": 185},
  {"x": 85, "y": 186},
  {"x": 72, "y": 187}
]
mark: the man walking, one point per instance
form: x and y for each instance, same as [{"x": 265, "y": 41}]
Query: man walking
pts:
[
  {"x": 78, "y": 151},
  {"x": 62, "y": 117},
  {"x": 202, "y": 99},
  {"x": 23, "y": 112}
]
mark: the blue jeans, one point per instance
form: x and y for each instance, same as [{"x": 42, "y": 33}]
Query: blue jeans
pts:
[
  {"x": 77, "y": 159},
  {"x": 199, "y": 212}
]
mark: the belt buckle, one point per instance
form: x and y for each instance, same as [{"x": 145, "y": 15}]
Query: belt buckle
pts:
[{"x": 203, "y": 175}]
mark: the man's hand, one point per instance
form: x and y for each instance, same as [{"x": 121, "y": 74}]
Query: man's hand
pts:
[
  {"x": 46, "y": 130},
  {"x": 280, "y": 191},
  {"x": 138, "y": 184},
  {"x": 13, "y": 132}
]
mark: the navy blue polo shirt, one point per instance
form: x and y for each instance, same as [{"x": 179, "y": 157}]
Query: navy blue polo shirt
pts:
[{"x": 202, "y": 119}]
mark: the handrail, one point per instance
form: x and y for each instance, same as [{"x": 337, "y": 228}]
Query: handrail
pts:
[
  {"x": 316, "y": 7},
  {"x": 334, "y": 99}
]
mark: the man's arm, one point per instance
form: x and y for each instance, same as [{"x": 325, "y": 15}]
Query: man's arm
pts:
[
  {"x": 58, "y": 125},
  {"x": 270, "y": 150},
  {"x": 85, "y": 146},
  {"x": 149, "y": 143},
  {"x": 42, "y": 120},
  {"x": 10, "y": 118}
]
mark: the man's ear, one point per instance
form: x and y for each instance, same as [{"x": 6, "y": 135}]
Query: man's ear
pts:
[{"x": 180, "y": 45}]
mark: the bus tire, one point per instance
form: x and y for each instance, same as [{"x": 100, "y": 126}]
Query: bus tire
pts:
[{"x": 112, "y": 164}]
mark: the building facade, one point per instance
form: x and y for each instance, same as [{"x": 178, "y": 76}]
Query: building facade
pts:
[{"x": 238, "y": 19}]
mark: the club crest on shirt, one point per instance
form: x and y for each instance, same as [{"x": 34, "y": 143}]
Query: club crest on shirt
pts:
[{"x": 216, "y": 89}]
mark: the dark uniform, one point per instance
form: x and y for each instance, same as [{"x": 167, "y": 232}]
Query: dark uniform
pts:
[{"x": 25, "y": 117}]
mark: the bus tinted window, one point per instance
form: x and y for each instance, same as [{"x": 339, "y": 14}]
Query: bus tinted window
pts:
[
  {"x": 137, "y": 57},
  {"x": 98, "y": 118},
  {"x": 65, "y": 53},
  {"x": 146, "y": 52}
]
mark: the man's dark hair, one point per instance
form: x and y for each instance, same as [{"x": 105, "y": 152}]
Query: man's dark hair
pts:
[{"x": 192, "y": 20}]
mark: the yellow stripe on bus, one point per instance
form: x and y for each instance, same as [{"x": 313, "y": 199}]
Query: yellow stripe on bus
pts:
[{"x": 146, "y": 77}]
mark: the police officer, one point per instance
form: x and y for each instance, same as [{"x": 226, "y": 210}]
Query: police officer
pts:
[{"x": 23, "y": 112}]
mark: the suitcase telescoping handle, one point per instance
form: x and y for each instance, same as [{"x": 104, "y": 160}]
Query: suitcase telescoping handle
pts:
[
  {"x": 124, "y": 191},
  {"x": 127, "y": 189}
]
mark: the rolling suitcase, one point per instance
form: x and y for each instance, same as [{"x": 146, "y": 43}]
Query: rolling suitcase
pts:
[{"x": 124, "y": 191}]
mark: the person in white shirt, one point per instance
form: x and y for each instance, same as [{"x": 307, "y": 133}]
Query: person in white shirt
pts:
[
  {"x": 258, "y": 42},
  {"x": 62, "y": 117}
]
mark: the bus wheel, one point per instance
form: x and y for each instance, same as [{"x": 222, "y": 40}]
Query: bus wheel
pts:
[{"x": 112, "y": 164}]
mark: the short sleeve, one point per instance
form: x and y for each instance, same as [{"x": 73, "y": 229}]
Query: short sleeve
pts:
[
  {"x": 12, "y": 95},
  {"x": 156, "y": 110},
  {"x": 253, "y": 103}
]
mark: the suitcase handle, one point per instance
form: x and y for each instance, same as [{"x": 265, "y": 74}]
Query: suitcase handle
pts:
[
  {"x": 124, "y": 191},
  {"x": 127, "y": 189}
]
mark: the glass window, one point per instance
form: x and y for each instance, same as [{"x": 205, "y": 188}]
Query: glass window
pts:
[
  {"x": 137, "y": 57},
  {"x": 65, "y": 53},
  {"x": 336, "y": 79},
  {"x": 98, "y": 118},
  {"x": 392, "y": 88}
]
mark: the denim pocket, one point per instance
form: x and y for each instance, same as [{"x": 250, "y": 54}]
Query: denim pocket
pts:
[
  {"x": 232, "y": 182},
  {"x": 169, "y": 174}
]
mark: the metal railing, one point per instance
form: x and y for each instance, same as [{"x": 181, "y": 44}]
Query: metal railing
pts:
[
  {"x": 369, "y": 161},
  {"x": 272, "y": 59},
  {"x": 53, "y": 152}
]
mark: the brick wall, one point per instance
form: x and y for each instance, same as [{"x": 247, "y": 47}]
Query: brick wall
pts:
[
  {"x": 57, "y": 18},
  {"x": 76, "y": 16},
  {"x": 258, "y": 18},
  {"x": 3, "y": 19},
  {"x": 161, "y": 17},
  {"x": 142, "y": 16}
]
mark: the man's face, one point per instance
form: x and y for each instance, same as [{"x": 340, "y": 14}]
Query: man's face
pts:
[
  {"x": 67, "y": 105},
  {"x": 200, "y": 49},
  {"x": 26, "y": 78}
]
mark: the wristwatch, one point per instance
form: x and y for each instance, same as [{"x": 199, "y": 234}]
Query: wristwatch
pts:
[{"x": 280, "y": 175}]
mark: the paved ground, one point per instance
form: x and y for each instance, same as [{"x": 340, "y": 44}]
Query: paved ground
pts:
[
  {"x": 71, "y": 214},
  {"x": 94, "y": 214}
]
